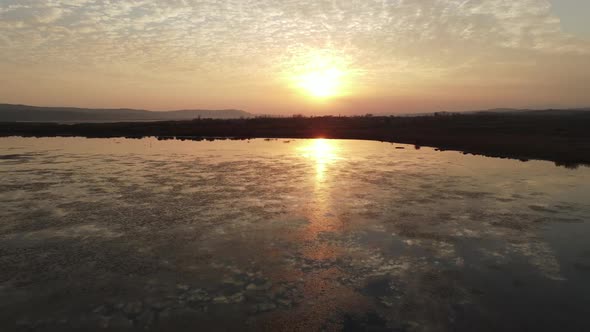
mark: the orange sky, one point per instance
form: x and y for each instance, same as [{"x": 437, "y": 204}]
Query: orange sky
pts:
[{"x": 285, "y": 57}]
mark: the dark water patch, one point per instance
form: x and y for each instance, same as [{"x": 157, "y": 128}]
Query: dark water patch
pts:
[
  {"x": 21, "y": 157},
  {"x": 15, "y": 158},
  {"x": 515, "y": 295},
  {"x": 370, "y": 321},
  {"x": 582, "y": 266}
]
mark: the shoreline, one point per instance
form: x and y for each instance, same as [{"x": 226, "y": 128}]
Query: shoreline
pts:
[{"x": 562, "y": 139}]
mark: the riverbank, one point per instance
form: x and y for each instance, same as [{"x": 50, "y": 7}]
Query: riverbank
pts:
[{"x": 561, "y": 138}]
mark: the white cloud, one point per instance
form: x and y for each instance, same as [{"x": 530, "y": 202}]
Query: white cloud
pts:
[
  {"x": 215, "y": 24},
  {"x": 235, "y": 37}
]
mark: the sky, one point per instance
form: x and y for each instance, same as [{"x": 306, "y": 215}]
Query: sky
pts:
[{"x": 296, "y": 57}]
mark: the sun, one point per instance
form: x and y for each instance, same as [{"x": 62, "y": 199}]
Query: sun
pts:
[
  {"x": 321, "y": 76},
  {"x": 322, "y": 83}
]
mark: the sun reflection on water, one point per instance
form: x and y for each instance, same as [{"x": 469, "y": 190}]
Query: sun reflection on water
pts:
[{"x": 323, "y": 152}]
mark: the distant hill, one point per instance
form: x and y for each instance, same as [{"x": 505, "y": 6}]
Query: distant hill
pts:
[
  {"x": 548, "y": 111},
  {"x": 14, "y": 113},
  {"x": 511, "y": 111}
]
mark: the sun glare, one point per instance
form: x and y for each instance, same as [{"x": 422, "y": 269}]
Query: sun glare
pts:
[
  {"x": 322, "y": 83},
  {"x": 322, "y": 152},
  {"x": 321, "y": 77}
]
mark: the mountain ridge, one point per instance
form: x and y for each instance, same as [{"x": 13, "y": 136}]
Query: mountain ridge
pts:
[
  {"x": 20, "y": 113},
  {"x": 28, "y": 113}
]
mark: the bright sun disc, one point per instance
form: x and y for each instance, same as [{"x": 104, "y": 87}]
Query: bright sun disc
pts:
[
  {"x": 321, "y": 83},
  {"x": 320, "y": 76}
]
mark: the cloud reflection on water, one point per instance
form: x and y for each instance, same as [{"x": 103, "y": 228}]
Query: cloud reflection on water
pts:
[{"x": 302, "y": 232}]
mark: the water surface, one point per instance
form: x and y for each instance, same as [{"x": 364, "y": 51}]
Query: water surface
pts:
[{"x": 287, "y": 235}]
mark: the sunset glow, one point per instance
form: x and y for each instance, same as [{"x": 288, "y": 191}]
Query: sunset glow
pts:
[
  {"x": 284, "y": 57},
  {"x": 321, "y": 79},
  {"x": 322, "y": 83}
]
